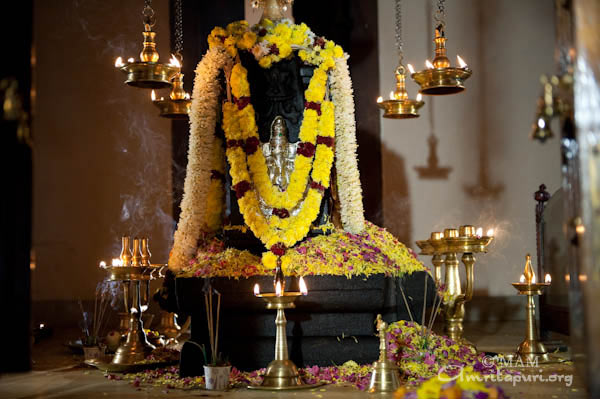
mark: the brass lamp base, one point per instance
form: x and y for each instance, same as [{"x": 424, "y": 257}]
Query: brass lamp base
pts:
[
  {"x": 441, "y": 81},
  {"x": 282, "y": 373},
  {"x": 400, "y": 109},
  {"x": 173, "y": 109},
  {"x": 149, "y": 75},
  {"x": 136, "y": 346}
]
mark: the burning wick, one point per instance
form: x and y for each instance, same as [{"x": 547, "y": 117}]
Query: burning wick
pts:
[
  {"x": 118, "y": 62},
  {"x": 429, "y": 65},
  {"x": 522, "y": 279},
  {"x": 131, "y": 59},
  {"x": 533, "y": 281},
  {"x": 103, "y": 264},
  {"x": 117, "y": 262},
  {"x": 479, "y": 232},
  {"x": 379, "y": 99},
  {"x": 392, "y": 95},
  {"x": 419, "y": 97},
  {"x": 256, "y": 289},
  {"x": 410, "y": 68},
  {"x": 278, "y": 288},
  {"x": 302, "y": 284},
  {"x": 153, "y": 95},
  {"x": 461, "y": 62},
  {"x": 187, "y": 96},
  {"x": 174, "y": 61},
  {"x": 541, "y": 123},
  {"x": 490, "y": 233},
  {"x": 548, "y": 278}
]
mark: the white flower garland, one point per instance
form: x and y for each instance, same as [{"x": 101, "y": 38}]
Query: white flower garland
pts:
[
  {"x": 203, "y": 118},
  {"x": 348, "y": 177}
]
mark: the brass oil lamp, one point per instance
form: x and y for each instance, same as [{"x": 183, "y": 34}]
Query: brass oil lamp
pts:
[
  {"x": 399, "y": 106},
  {"x": 282, "y": 373},
  {"x": 440, "y": 78},
  {"x": 134, "y": 269},
  {"x": 178, "y": 104},
  {"x": 148, "y": 73},
  {"x": 444, "y": 247},
  {"x": 531, "y": 349}
]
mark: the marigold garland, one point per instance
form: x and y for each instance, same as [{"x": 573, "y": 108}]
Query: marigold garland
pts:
[{"x": 250, "y": 166}]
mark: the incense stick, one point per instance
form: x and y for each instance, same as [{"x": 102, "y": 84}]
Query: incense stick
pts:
[
  {"x": 406, "y": 303},
  {"x": 217, "y": 332},
  {"x": 424, "y": 303}
]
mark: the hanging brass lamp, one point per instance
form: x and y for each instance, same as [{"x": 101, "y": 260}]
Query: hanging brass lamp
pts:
[
  {"x": 439, "y": 77},
  {"x": 178, "y": 104},
  {"x": 399, "y": 106},
  {"x": 148, "y": 73}
]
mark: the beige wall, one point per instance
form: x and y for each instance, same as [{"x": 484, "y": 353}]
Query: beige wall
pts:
[
  {"x": 99, "y": 145},
  {"x": 507, "y": 49}
]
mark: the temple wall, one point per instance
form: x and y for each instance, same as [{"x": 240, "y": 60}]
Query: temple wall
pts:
[
  {"x": 101, "y": 154},
  {"x": 508, "y": 49}
]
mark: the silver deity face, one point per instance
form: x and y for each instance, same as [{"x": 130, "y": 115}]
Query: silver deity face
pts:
[{"x": 279, "y": 154}]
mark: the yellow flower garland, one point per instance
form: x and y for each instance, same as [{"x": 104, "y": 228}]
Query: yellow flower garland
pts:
[{"x": 240, "y": 125}]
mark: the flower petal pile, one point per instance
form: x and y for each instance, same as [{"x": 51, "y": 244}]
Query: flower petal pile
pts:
[{"x": 375, "y": 251}]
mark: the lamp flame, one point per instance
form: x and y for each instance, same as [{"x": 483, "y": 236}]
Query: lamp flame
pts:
[
  {"x": 548, "y": 278},
  {"x": 419, "y": 97},
  {"x": 379, "y": 99},
  {"x": 256, "y": 289},
  {"x": 103, "y": 264},
  {"x": 410, "y": 68},
  {"x": 461, "y": 62},
  {"x": 119, "y": 62},
  {"x": 392, "y": 95},
  {"x": 174, "y": 61},
  {"x": 153, "y": 95},
  {"x": 429, "y": 65},
  {"x": 303, "y": 288},
  {"x": 278, "y": 288},
  {"x": 117, "y": 262},
  {"x": 187, "y": 96},
  {"x": 541, "y": 123},
  {"x": 522, "y": 279},
  {"x": 131, "y": 59},
  {"x": 533, "y": 279},
  {"x": 490, "y": 233},
  {"x": 479, "y": 232}
]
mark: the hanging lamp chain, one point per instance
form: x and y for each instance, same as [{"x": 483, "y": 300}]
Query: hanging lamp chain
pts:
[
  {"x": 178, "y": 30},
  {"x": 148, "y": 16},
  {"x": 440, "y": 16},
  {"x": 399, "y": 43}
]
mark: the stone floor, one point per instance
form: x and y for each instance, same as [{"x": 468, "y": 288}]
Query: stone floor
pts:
[{"x": 59, "y": 374}]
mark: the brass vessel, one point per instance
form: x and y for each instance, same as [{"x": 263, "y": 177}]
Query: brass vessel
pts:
[
  {"x": 531, "y": 349},
  {"x": 444, "y": 248}
]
